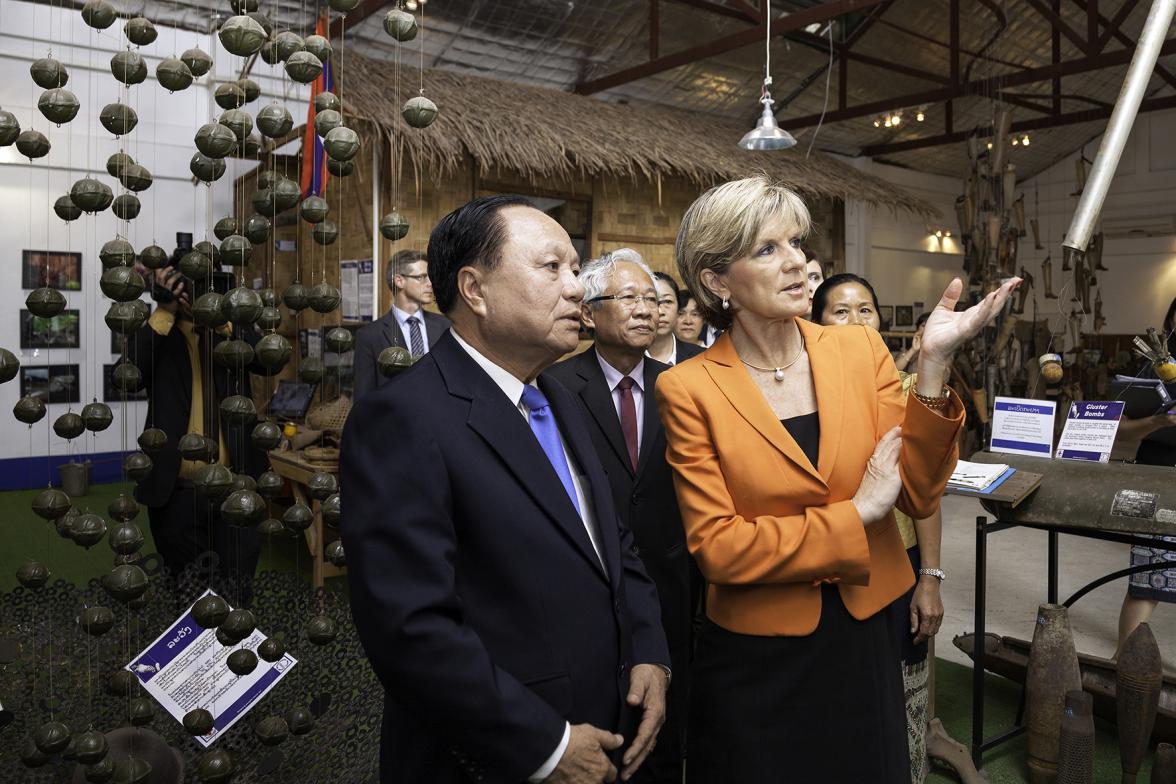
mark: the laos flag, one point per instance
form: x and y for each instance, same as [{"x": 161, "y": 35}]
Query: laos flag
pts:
[{"x": 314, "y": 158}]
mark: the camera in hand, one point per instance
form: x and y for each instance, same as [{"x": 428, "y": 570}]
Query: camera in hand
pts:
[{"x": 219, "y": 281}]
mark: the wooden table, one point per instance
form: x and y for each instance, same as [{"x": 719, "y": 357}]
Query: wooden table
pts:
[{"x": 292, "y": 466}]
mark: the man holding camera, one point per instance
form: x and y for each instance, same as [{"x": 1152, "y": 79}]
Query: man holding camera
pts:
[{"x": 184, "y": 392}]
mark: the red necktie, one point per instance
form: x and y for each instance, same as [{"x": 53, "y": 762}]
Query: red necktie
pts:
[{"x": 629, "y": 418}]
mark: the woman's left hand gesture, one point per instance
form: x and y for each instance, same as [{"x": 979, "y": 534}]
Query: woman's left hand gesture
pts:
[{"x": 948, "y": 329}]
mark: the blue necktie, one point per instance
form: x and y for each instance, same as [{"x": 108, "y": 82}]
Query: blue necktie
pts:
[
  {"x": 547, "y": 432},
  {"x": 414, "y": 331}
]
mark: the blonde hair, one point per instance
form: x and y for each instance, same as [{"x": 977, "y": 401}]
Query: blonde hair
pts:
[{"x": 722, "y": 225}]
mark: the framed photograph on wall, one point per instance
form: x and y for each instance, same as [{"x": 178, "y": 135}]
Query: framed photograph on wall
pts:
[
  {"x": 111, "y": 393},
  {"x": 904, "y": 316},
  {"x": 51, "y": 383},
  {"x": 53, "y": 268},
  {"x": 60, "y": 331},
  {"x": 886, "y": 315}
]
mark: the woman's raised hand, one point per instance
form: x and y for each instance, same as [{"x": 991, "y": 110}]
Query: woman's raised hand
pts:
[{"x": 947, "y": 329}]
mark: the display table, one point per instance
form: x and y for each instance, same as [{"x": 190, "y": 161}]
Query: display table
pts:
[
  {"x": 292, "y": 466},
  {"x": 1114, "y": 502}
]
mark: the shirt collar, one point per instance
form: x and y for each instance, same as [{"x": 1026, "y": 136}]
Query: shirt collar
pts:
[
  {"x": 673, "y": 358},
  {"x": 402, "y": 316},
  {"x": 612, "y": 376},
  {"x": 511, "y": 386}
]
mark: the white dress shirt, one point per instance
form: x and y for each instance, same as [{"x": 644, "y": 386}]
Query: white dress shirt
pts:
[
  {"x": 613, "y": 377},
  {"x": 402, "y": 317},
  {"x": 673, "y": 360},
  {"x": 512, "y": 387}
]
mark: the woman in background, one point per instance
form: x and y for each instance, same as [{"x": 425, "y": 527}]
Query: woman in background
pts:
[
  {"x": 786, "y": 440},
  {"x": 690, "y": 321},
  {"x": 814, "y": 276},
  {"x": 917, "y": 614}
]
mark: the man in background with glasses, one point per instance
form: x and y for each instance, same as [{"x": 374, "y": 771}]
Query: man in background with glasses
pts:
[
  {"x": 407, "y": 324},
  {"x": 614, "y": 381}
]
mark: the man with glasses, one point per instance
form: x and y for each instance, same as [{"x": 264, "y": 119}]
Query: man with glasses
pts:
[
  {"x": 614, "y": 381},
  {"x": 666, "y": 347},
  {"x": 407, "y": 324}
]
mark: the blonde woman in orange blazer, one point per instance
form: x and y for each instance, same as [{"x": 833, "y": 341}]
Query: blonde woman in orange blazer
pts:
[{"x": 790, "y": 444}]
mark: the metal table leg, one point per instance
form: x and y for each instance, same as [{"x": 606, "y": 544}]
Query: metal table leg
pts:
[{"x": 978, "y": 644}]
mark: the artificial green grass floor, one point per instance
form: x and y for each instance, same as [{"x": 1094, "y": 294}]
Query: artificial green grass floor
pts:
[{"x": 27, "y": 536}]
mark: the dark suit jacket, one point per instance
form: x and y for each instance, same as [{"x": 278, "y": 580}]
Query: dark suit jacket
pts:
[
  {"x": 373, "y": 338},
  {"x": 684, "y": 351},
  {"x": 167, "y": 376},
  {"x": 474, "y": 586}
]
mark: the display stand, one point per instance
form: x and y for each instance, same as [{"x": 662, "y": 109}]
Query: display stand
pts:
[
  {"x": 292, "y": 466},
  {"x": 1091, "y": 500}
]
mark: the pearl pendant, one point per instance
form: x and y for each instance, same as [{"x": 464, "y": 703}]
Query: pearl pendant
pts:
[{"x": 779, "y": 374}]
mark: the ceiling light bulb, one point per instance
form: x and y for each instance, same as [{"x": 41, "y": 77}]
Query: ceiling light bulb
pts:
[
  {"x": 947, "y": 234},
  {"x": 877, "y": 122},
  {"x": 939, "y": 233},
  {"x": 919, "y": 117},
  {"x": 1015, "y": 142},
  {"x": 990, "y": 145},
  {"x": 1025, "y": 140},
  {"x": 896, "y": 120},
  {"x": 411, "y": 5}
]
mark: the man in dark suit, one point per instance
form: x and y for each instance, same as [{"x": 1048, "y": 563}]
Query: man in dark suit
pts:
[
  {"x": 173, "y": 354},
  {"x": 666, "y": 348},
  {"x": 614, "y": 380},
  {"x": 498, "y": 597},
  {"x": 407, "y": 324}
]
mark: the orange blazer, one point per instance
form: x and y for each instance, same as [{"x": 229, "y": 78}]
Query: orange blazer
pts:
[{"x": 766, "y": 527}]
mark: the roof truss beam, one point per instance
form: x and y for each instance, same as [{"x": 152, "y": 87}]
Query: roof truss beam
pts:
[
  {"x": 736, "y": 9},
  {"x": 1059, "y": 24}
]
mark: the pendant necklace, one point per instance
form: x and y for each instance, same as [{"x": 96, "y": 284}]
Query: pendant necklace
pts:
[{"x": 778, "y": 371}]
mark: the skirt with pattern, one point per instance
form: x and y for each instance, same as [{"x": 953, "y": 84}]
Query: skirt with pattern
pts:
[{"x": 1159, "y": 584}]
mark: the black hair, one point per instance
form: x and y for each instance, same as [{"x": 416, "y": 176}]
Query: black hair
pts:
[
  {"x": 472, "y": 234},
  {"x": 684, "y": 297},
  {"x": 670, "y": 280},
  {"x": 821, "y": 295},
  {"x": 922, "y": 319},
  {"x": 810, "y": 255}
]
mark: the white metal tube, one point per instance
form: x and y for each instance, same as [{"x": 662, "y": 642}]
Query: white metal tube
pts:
[
  {"x": 1143, "y": 62},
  {"x": 377, "y": 267}
]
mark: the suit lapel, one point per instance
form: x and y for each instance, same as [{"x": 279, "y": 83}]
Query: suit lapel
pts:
[
  {"x": 392, "y": 330},
  {"x": 651, "y": 424},
  {"x": 828, "y": 376},
  {"x": 497, "y": 421},
  {"x": 727, "y": 371},
  {"x": 597, "y": 398},
  {"x": 598, "y": 492}
]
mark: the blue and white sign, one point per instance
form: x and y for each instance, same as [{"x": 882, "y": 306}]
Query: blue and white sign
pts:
[
  {"x": 1090, "y": 430},
  {"x": 1023, "y": 427},
  {"x": 185, "y": 668}
]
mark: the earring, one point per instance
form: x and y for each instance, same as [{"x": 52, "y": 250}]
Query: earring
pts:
[{"x": 726, "y": 304}]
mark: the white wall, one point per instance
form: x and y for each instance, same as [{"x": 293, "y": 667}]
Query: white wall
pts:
[
  {"x": 162, "y": 142},
  {"x": 898, "y": 252},
  {"x": 905, "y": 263}
]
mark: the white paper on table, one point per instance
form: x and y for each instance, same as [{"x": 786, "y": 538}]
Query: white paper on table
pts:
[
  {"x": 185, "y": 668},
  {"x": 1023, "y": 427},
  {"x": 1090, "y": 430}
]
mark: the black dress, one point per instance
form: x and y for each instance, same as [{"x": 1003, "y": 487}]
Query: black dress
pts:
[{"x": 823, "y": 708}]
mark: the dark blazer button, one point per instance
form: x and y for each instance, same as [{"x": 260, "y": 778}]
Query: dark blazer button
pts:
[{"x": 617, "y": 606}]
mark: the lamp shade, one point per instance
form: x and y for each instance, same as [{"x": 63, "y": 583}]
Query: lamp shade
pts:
[{"x": 767, "y": 135}]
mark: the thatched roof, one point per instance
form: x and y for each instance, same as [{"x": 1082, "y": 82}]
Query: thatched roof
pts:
[{"x": 536, "y": 131}]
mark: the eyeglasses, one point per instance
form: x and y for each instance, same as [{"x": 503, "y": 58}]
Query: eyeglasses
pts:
[
  {"x": 628, "y": 301},
  {"x": 422, "y": 276}
]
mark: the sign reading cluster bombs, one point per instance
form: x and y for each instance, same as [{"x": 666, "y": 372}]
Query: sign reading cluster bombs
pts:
[
  {"x": 174, "y": 74},
  {"x": 197, "y": 60},
  {"x": 58, "y": 105},
  {"x": 48, "y": 73}
]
